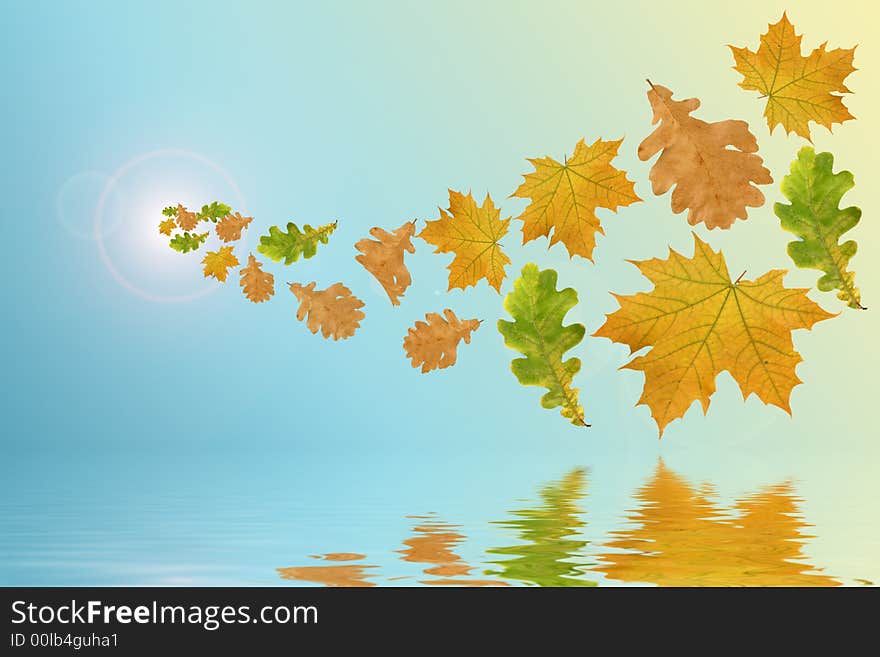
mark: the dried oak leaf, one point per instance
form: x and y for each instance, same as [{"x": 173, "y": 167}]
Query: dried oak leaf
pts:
[
  {"x": 714, "y": 182},
  {"x": 185, "y": 219},
  {"x": 699, "y": 323},
  {"x": 256, "y": 284},
  {"x": 383, "y": 258},
  {"x": 335, "y": 310},
  {"x": 472, "y": 233},
  {"x": 433, "y": 344},
  {"x": 217, "y": 263},
  {"x": 229, "y": 227}
]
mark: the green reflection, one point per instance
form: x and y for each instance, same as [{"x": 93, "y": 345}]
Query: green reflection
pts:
[{"x": 549, "y": 552}]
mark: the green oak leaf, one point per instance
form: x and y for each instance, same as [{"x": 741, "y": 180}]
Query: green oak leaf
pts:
[
  {"x": 814, "y": 216},
  {"x": 214, "y": 212},
  {"x": 538, "y": 309},
  {"x": 289, "y": 246},
  {"x": 170, "y": 211},
  {"x": 187, "y": 242}
]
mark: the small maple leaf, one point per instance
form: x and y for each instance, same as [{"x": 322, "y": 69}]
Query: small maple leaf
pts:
[
  {"x": 185, "y": 219},
  {"x": 383, "y": 258},
  {"x": 289, "y": 246},
  {"x": 564, "y": 196},
  {"x": 714, "y": 181},
  {"x": 167, "y": 226},
  {"x": 798, "y": 89},
  {"x": 217, "y": 263},
  {"x": 187, "y": 242},
  {"x": 699, "y": 323},
  {"x": 336, "y": 311},
  {"x": 433, "y": 344},
  {"x": 229, "y": 227},
  {"x": 472, "y": 233},
  {"x": 815, "y": 192},
  {"x": 538, "y": 310},
  {"x": 256, "y": 284}
]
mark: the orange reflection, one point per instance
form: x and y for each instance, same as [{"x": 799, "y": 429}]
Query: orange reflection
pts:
[
  {"x": 682, "y": 538},
  {"x": 334, "y": 576},
  {"x": 433, "y": 544}
]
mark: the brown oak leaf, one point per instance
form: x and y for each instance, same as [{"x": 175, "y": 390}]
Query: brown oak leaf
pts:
[
  {"x": 715, "y": 182},
  {"x": 185, "y": 219},
  {"x": 335, "y": 310},
  {"x": 433, "y": 344},
  {"x": 383, "y": 258},
  {"x": 229, "y": 227},
  {"x": 256, "y": 284}
]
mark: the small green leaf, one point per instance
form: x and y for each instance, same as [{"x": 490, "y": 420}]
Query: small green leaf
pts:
[
  {"x": 814, "y": 216},
  {"x": 538, "y": 309},
  {"x": 170, "y": 211},
  {"x": 187, "y": 242},
  {"x": 214, "y": 212},
  {"x": 289, "y": 246}
]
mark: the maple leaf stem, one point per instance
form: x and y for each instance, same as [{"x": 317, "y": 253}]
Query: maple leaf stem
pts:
[
  {"x": 650, "y": 84},
  {"x": 739, "y": 278}
]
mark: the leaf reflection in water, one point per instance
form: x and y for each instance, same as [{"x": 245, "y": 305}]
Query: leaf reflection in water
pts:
[
  {"x": 551, "y": 551},
  {"x": 347, "y": 575},
  {"x": 433, "y": 545},
  {"x": 681, "y": 537}
]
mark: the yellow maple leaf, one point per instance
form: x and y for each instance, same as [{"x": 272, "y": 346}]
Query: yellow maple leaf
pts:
[
  {"x": 217, "y": 263},
  {"x": 471, "y": 232},
  {"x": 335, "y": 311},
  {"x": 798, "y": 89},
  {"x": 167, "y": 226},
  {"x": 229, "y": 227},
  {"x": 256, "y": 284},
  {"x": 714, "y": 166},
  {"x": 699, "y": 323},
  {"x": 565, "y": 195}
]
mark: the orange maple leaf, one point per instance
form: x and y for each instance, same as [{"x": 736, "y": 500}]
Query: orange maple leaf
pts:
[
  {"x": 564, "y": 196},
  {"x": 798, "y": 89},
  {"x": 472, "y": 233},
  {"x": 256, "y": 284},
  {"x": 336, "y": 311},
  {"x": 383, "y": 258},
  {"x": 699, "y": 323},
  {"x": 229, "y": 227},
  {"x": 715, "y": 182},
  {"x": 433, "y": 345}
]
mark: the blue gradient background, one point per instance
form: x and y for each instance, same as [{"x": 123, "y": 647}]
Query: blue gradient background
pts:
[{"x": 213, "y": 440}]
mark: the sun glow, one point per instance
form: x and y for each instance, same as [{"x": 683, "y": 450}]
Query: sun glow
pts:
[{"x": 137, "y": 255}]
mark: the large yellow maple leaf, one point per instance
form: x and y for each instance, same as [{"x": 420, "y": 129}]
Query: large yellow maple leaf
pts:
[
  {"x": 699, "y": 323},
  {"x": 471, "y": 232},
  {"x": 565, "y": 195},
  {"x": 798, "y": 89}
]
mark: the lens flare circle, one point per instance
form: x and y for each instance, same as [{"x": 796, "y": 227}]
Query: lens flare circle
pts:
[{"x": 107, "y": 192}]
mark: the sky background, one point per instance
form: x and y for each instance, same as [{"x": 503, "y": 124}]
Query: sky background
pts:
[{"x": 139, "y": 399}]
